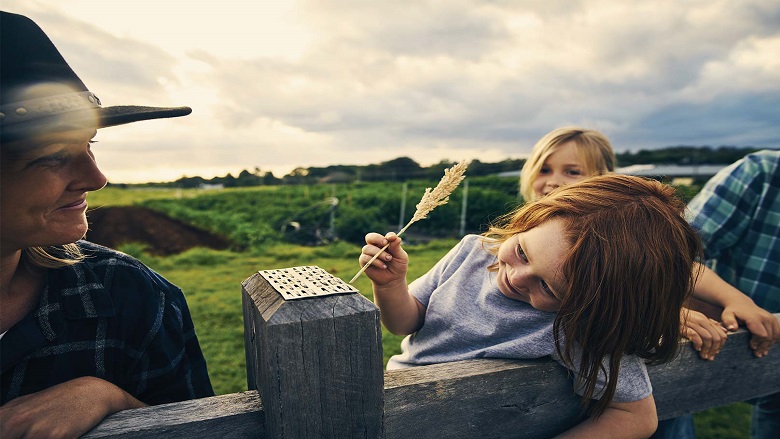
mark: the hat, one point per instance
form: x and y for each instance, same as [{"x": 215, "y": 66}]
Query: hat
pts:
[{"x": 40, "y": 93}]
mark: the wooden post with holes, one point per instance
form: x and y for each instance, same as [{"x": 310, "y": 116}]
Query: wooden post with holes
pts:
[{"x": 316, "y": 362}]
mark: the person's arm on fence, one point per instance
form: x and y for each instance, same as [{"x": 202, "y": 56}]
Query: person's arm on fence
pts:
[
  {"x": 738, "y": 307},
  {"x": 68, "y": 409},
  {"x": 637, "y": 419},
  {"x": 400, "y": 312}
]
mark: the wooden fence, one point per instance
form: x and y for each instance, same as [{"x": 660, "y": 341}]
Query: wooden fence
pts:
[{"x": 315, "y": 369}]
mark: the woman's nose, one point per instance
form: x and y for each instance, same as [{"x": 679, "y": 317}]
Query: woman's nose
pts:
[{"x": 88, "y": 176}]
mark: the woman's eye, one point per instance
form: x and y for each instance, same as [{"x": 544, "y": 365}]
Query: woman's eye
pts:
[
  {"x": 50, "y": 160},
  {"x": 546, "y": 288},
  {"x": 575, "y": 172},
  {"x": 544, "y": 171}
]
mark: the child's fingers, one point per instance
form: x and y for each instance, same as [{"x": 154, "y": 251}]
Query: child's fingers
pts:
[
  {"x": 375, "y": 239},
  {"x": 760, "y": 346},
  {"x": 729, "y": 321},
  {"x": 707, "y": 335},
  {"x": 764, "y": 336},
  {"x": 369, "y": 251},
  {"x": 693, "y": 336}
]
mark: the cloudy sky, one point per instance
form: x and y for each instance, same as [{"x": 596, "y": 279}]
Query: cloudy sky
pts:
[{"x": 277, "y": 84}]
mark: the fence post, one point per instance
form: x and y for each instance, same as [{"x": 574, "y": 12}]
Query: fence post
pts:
[{"x": 316, "y": 362}]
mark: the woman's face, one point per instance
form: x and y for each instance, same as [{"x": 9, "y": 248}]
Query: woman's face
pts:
[
  {"x": 562, "y": 167},
  {"x": 530, "y": 266},
  {"x": 43, "y": 190}
]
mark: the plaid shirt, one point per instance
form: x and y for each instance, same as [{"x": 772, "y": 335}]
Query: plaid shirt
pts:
[
  {"x": 113, "y": 318},
  {"x": 737, "y": 214}
]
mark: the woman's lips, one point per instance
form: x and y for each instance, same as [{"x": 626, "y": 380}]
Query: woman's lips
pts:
[{"x": 78, "y": 204}]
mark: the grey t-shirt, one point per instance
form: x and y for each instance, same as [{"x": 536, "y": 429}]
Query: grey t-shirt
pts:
[{"x": 468, "y": 317}]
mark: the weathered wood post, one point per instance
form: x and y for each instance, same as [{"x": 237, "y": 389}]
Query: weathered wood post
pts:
[{"x": 316, "y": 362}]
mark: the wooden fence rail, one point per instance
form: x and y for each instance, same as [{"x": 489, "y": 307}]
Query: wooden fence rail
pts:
[{"x": 314, "y": 367}]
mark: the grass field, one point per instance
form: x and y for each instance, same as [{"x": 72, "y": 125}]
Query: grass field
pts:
[{"x": 212, "y": 279}]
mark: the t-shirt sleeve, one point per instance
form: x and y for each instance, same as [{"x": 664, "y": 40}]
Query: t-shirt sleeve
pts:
[
  {"x": 422, "y": 287},
  {"x": 633, "y": 381}
]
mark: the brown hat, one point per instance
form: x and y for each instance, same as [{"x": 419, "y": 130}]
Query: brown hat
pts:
[{"x": 40, "y": 93}]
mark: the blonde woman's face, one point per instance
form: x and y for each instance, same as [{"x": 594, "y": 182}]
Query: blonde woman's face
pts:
[
  {"x": 562, "y": 167},
  {"x": 43, "y": 194}
]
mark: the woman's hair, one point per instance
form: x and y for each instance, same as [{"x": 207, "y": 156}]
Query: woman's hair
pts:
[
  {"x": 628, "y": 273},
  {"x": 592, "y": 147},
  {"x": 54, "y": 256}
]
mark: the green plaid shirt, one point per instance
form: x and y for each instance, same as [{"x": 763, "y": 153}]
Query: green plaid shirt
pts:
[{"x": 737, "y": 214}]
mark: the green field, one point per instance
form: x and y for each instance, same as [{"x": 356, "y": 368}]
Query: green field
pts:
[{"x": 212, "y": 279}]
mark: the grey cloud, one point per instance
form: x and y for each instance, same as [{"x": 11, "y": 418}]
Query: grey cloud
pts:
[
  {"x": 748, "y": 119},
  {"x": 633, "y": 80}
]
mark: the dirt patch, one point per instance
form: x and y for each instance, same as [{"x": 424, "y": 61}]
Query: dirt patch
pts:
[{"x": 163, "y": 235}]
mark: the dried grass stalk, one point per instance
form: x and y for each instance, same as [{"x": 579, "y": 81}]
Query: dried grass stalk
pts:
[{"x": 431, "y": 199}]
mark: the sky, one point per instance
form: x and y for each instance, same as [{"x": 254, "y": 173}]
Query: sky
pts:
[{"x": 281, "y": 84}]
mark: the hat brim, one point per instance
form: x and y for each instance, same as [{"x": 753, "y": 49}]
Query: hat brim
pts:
[
  {"x": 120, "y": 115},
  {"x": 100, "y": 117}
]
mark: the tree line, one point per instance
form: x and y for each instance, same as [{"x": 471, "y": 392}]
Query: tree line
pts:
[{"x": 404, "y": 168}]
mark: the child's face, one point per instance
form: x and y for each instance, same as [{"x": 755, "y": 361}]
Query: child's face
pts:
[
  {"x": 530, "y": 266},
  {"x": 561, "y": 168}
]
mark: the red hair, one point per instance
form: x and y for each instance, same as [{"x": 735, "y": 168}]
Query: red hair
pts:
[{"x": 628, "y": 273}]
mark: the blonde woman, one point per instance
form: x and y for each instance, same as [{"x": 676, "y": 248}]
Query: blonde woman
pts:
[{"x": 85, "y": 331}]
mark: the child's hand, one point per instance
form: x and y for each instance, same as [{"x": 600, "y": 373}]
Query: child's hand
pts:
[
  {"x": 706, "y": 335},
  {"x": 391, "y": 265},
  {"x": 763, "y": 325}
]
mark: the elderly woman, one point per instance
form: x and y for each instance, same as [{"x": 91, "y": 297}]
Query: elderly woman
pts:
[{"x": 85, "y": 331}]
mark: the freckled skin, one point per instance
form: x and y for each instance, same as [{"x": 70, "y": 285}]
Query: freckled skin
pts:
[{"x": 530, "y": 263}]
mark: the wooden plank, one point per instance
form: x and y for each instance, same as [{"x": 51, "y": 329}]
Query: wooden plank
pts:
[
  {"x": 317, "y": 363},
  {"x": 534, "y": 399},
  {"x": 689, "y": 384},
  {"x": 238, "y": 415},
  {"x": 480, "y": 399}
]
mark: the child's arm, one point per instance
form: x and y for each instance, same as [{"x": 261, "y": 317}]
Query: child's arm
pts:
[
  {"x": 738, "y": 307},
  {"x": 400, "y": 312},
  {"x": 636, "y": 419}
]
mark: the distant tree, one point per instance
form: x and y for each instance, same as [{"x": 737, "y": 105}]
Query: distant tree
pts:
[
  {"x": 189, "y": 182},
  {"x": 299, "y": 175},
  {"x": 400, "y": 169},
  {"x": 269, "y": 179},
  {"x": 227, "y": 181},
  {"x": 245, "y": 178},
  {"x": 685, "y": 155}
]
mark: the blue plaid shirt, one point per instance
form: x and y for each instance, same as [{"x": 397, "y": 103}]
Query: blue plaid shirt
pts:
[
  {"x": 109, "y": 317},
  {"x": 737, "y": 214}
]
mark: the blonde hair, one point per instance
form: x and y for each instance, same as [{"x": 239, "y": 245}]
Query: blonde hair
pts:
[
  {"x": 628, "y": 273},
  {"x": 592, "y": 147},
  {"x": 55, "y": 256}
]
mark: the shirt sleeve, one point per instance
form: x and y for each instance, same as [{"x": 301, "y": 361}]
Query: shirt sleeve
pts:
[
  {"x": 422, "y": 287},
  {"x": 718, "y": 212},
  {"x": 633, "y": 381},
  {"x": 171, "y": 365}
]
